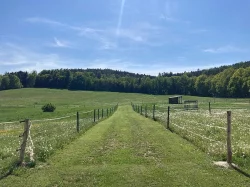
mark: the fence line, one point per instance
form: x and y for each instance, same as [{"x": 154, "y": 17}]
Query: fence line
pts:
[
  {"x": 43, "y": 139},
  {"x": 158, "y": 113},
  {"x": 12, "y": 122},
  {"x": 207, "y": 125},
  {"x": 86, "y": 112},
  {"x": 192, "y": 121},
  {"x": 203, "y": 137},
  {"x": 208, "y": 128},
  {"x": 41, "y": 120}
]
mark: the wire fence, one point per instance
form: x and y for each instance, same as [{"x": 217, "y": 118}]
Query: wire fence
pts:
[
  {"x": 44, "y": 136},
  {"x": 206, "y": 129}
]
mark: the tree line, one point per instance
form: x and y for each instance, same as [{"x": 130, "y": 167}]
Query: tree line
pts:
[{"x": 224, "y": 81}]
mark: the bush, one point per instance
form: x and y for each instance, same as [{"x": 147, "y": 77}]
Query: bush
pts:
[{"x": 49, "y": 108}]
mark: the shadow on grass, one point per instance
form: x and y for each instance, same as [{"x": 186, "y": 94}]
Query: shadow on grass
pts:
[
  {"x": 10, "y": 171},
  {"x": 241, "y": 171},
  {"x": 170, "y": 130}
]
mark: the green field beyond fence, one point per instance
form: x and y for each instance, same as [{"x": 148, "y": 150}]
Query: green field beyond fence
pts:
[
  {"x": 206, "y": 129},
  {"x": 46, "y": 135},
  {"x": 51, "y": 130}
]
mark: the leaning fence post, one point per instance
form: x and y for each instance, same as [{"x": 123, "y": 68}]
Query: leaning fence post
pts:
[
  {"x": 168, "y": 117},
  {"x": 94, "y": 115},
  {"x": 77, "y": 122},
  {"x": 229, "y": 146},
  {"x": 154, "y": 112},
  {"x": 25, "y": 137}
]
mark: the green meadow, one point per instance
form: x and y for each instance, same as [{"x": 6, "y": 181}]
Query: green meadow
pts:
[{"x": 122, "y": 149}]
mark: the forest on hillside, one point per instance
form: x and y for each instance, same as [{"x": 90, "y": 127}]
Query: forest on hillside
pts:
[{"x": 224, "y": 81}]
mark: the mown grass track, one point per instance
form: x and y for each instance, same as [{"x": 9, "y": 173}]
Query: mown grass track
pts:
[{"x": 127, "y": 150}]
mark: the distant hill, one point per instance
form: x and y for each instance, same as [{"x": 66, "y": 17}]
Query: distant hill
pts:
[{"x": 225, "y": 81}]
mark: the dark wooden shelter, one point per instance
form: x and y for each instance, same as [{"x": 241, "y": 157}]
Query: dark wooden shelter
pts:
[{"x": 175, "y": 99}]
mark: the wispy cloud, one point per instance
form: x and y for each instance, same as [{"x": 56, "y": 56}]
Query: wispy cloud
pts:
[
  {"x": 45, "y": 21},
  {"x": 15, "y": 58},
  {"x": 133, "y": 35},
  {"x": 166, "y": 18},
  {"x": 224, "y": 49},
  {"x": 107, "y": 45},
  {"x": 170, "y": 8},
  {"x": 120, "y": 18},
  {"x": 140, "y": 33},
  {"x": 60, "y": 43},
  {"x": 54, "y": 23}
]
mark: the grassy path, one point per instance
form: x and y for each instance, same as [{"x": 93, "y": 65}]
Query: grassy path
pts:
[{"x": 127, "y": 150}]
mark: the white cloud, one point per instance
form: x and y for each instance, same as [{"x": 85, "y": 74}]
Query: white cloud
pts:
[
  {"x": 45, "y": 21},
  {"x": 120, "y": 18},
  {"x": 16, "y": 58},
  {"x": 134, "y": 35},
  {"x": 107, "y": 45},
  {"x": 224, "y": 49},
  {"x": 167, "y": 18},
  {"x": 60, "y": 43},
  {"x": 140, "y": 33},
  {"x": 54, "y": 23},
  {"x": 169, "y": 11}
]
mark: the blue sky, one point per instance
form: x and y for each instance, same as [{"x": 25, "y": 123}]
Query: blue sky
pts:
[{"x": 141, "y": 36}]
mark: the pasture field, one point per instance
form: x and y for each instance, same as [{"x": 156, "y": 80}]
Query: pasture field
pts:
[
  {"x": 49, "y": 131},
  {"x": 208, "y": 131},
  {"x": 127, "y": 150},
  {"x": 46, "y": 137},
  {"x": 19, "y": 104},
  {"x": 50, "y": 135}
]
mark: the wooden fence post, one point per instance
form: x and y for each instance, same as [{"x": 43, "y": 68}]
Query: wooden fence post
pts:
[
  {"x": 94, "y": 115},
  {"x": 107, "y": 112},
  {"x": 154, "y": 112},
  {"x": 209, "y": 108},
  {"x": 141, "y": 110},
  {"x": 146, "y": 115},
  {"x": 102, "y": 112},
  {"x": 25, "y": 137},
  {"x": 168, "y": 117},
  {"x": 77, "y": 122},
  {"x": 98, "y": 114},
  {"x": 229, "y": 146}
]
